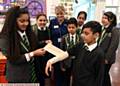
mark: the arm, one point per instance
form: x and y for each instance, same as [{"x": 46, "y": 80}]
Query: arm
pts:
[
  {"x": 110, "y": 54},
  {"x": 99, "y": 70},
  {"x": 23, "y": 58},
  {"x": 54, "y": 60}
]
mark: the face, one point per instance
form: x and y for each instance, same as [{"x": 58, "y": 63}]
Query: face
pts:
[
  {"x": 41, "y": 21},
  {"x": 71, "y": 28},
  {"x": 105, "y": 21},
  {"x": 60, "y": 15},
  {"x": 81, "y": 19},
  {"x": 23, "y": 21},
  {"x": 88, "y": 36}
]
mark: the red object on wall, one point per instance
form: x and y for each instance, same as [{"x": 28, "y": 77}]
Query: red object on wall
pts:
[{"x": 2, "y": 71}]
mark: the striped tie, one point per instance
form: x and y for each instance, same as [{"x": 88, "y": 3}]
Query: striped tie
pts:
[
  {"x": 32, "y": 72},
  {"x": 72, "y": 41},
  {"x": 26, "y": 42}
]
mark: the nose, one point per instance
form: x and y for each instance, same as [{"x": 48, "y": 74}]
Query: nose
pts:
[{"x": 26, "y": 23}]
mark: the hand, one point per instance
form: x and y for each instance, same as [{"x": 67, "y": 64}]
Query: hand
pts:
[
  {"x": 48, "y": 67},
  {"x": 48, "y": 41},
  {"x": 39, "y": 52}
]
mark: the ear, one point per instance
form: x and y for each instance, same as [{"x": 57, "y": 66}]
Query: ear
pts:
[{"x": 96, "y": 35}]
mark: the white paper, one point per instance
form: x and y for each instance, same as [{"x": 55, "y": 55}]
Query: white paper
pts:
[{"x": 53, "y": 49}]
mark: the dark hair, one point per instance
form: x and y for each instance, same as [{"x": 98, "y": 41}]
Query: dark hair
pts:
[
  {"x": 72, "y": 20},
  {"x": 111, "y": 17},
  {"x": 10, "y": 25},
  {"x": 82, "y": 12},
  {"x": 10, "y": 28},
  {"x": 94, "y": 25},
  {"x": 41, "y": 14}
]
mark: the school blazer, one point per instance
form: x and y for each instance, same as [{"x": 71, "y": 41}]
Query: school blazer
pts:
[
  {"x": 110, "y": 44},
  {"x": 66, "y": 41},
  {"x": 66, "y": 45},
  {"x": 17, "y": 67}
]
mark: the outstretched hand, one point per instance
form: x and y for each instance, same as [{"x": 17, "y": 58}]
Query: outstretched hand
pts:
[
  {"x": 48, "y": 67},
  {"x": 39, "y": 52}
]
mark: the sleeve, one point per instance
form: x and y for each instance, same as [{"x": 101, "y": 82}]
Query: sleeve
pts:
[
  {"x": 114, "y": 42},
  {"x": 73, "y": 51},
  {"x": 99, "y": 69},
  {"x": 14, "y": 55},
  {"x": 59, "y": 58},
  {"x": 63, "y": 43}
]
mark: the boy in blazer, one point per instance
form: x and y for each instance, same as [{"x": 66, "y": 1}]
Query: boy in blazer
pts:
[
  {"x": 88, "y": 66},
  {"x": 68, "y": 41}
]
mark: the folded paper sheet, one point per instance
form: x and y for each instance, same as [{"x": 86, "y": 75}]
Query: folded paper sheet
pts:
[{"x": 53, "y": 49}]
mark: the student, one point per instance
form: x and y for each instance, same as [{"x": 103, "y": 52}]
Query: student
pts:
[
  {"x": 68, "y": 41},
  {"x": 58, "y": 28},
  {"x": 82, "y": 16},
  {"x": 109, "y": 41},
  {"x": 88, "y": 67},
  {"x": 43, "y": 36},
  {"x": 21, "y": 45}
]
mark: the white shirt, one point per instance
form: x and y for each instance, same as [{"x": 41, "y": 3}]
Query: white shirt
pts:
[
  {"x": 74, "y": 37},
  {"x": 91, "y": 47},
  {"x": 40, "y": 28},
  {"x": 21, "y": 34}
]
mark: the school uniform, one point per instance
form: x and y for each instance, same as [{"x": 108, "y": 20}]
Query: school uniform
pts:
[
  {"x": 57, "y": 31},
  {"x": 67, "y": 63},
  {"x": 18, "y": 65},
  {"x": 109, "y": 42},
  {"x": 88, "y": 67},
  {"x": 79, "y": 30},
  {"x": 42, "y": 34}
]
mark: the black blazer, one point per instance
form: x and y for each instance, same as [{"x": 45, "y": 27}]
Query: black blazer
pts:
[
  {"x": 109, "y": 44},
  {"x": 17, "y": 67}
]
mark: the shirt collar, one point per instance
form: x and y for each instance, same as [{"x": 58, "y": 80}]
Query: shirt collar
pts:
[
  {"x": 80, "y": 27},
  {"x": 40, "y": 28},
  {"x": 72, "y": 35},
  {"x": 21, "y": 33},
  {"x": 91, "y": 47}
]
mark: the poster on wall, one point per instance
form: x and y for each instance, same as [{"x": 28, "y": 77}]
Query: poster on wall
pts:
[
  {"x": 36, "y": 6},
  {"x": 1, "y": 1}
]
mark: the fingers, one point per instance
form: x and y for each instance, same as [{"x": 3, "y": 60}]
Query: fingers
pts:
[{"x": 48, "y": 68}]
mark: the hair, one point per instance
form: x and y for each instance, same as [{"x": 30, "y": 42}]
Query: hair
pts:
[
  {"x": 72, "y": 20},
  {"x": 59, "y": 8},
  {"x": 10, "y": 28},
  {"x": 94, "y": 26},
  {"x": 111, "y": 17},
  {"x": 82, "y": 12},
  {"x": 41, "y": 14}
]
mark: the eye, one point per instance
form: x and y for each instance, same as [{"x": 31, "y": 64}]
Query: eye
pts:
[{"x": 42, "y": 20}]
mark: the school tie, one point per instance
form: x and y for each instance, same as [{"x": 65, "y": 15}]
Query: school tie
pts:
[
  {"x": 26, "y": 42},
  {"x": 32, "y": 72},
  {"x": 102, "y": 36},
  {"x": 72, "y": 41},
  {"x": 86, "y": 47},
  {"x": 42, "y": 29}
]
